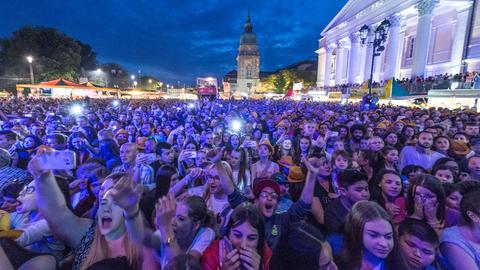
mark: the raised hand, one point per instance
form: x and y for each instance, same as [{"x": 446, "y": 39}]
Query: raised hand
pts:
[
  {"x": 165, "y": 210},
  {"x": 231, "y": 261},
  {"x": 249, "y": 258},
  {"x": 312, "y": 164},
  {"x": 216, "y": 156},
  {"x": 393, "y": 209},
  {"x": 195, "y": 173},
  {"x": 126, "y": 193}
]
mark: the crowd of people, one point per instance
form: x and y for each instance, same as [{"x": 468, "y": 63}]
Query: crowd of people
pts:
[{"x": 251, "y": 184}]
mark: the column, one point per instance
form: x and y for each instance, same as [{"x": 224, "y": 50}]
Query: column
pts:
[
  {"x": 354, "y": 60},
  {"x": 321, "y": 67},
  {"x": 368, "y": 56},
  {"x": 393, "y": 47},
  {"x": 422, "y": 38},
  {"x": 328, "y": 65},
  {"x": 459, "y": 40},
  {"x": 340, "y": 63}
]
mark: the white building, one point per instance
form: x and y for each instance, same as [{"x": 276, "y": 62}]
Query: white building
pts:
[{"x": 426, "y": 37}]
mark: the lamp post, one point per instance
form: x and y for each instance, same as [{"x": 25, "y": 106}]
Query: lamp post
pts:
[
  {"x": 381, "y": 33},
  {"x": 133, "y": 81},
  {"x": 30, "y": 61}
]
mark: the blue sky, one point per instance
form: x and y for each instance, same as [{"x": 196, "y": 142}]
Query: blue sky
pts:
[{"x": 179, "y": 40}]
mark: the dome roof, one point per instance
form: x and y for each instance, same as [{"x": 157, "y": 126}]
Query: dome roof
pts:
[{"x": 248, "y": 39}]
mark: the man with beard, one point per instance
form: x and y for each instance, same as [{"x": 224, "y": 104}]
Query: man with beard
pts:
[
  {"x": 420, "y": 154},
  {"x": 358, "y": 132}
]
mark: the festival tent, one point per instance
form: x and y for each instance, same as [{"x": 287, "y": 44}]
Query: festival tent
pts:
[{"x": 61, "y": 88}]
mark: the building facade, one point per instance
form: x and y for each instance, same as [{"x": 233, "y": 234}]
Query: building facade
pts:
[
  {"x": 426, "y": 38},
  {"x": 247, "y": 78}
]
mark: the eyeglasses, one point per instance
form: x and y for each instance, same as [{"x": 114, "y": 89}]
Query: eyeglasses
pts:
[
  {"x": 213, "y": 178},
  {"x": 27, "y": 191},
  {"x": 424, "y": 197},
  {"x": 273, "y": 195}
]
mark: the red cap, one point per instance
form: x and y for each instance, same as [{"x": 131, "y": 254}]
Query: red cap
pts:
[{"x": 260, "y": 185}]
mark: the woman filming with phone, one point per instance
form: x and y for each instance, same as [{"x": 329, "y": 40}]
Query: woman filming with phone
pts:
[{"x": 244, "y": 245}]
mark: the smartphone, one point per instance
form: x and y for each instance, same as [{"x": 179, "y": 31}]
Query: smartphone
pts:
[
  {"x": 332, "y": 134},
  {"x": 227, "y": 245},
  {"x": 250, "y": 143},
  {"x": 264, "y": 136},
  {"x": 192, "y": 154},
  {"x": 59, "y": 160}
]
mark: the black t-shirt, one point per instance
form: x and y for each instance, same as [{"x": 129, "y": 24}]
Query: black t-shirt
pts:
[
  {"x": 335, "y": 216},
  {"x": 322, "y": 194}
]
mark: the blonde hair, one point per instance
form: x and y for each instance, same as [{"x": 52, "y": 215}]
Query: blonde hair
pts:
[
  {"x": 99, "y": 249},
  {"x": 228, "y": 170}
]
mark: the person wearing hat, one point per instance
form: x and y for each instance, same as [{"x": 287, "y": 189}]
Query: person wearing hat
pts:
[
  {"x": 264, "y": 168},
  {"x": 267, "y": 194},
  {"x": 284, "y": 201},
  {"x": 121, "y": 137}
]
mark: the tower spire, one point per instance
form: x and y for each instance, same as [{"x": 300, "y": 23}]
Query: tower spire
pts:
[{"x": 248, "y": 25}]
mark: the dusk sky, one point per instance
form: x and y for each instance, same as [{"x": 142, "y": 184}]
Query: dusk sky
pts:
[{"x": 179, "y": 40}]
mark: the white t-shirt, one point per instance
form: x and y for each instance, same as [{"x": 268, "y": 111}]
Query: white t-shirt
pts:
[{"x": 202, "y": 240}]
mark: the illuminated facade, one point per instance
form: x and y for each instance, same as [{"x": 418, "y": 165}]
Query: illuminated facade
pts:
[{"x": 426, "y": 37}]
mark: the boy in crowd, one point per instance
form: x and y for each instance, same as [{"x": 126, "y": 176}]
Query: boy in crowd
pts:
[
  {"x": 353, "y": 187},
  {"x": 419, "y": 243}
]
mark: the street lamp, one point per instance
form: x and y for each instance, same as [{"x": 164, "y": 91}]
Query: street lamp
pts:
[
  {"x": 30, "y": 61},
  {"x": 381, "y": 33}
]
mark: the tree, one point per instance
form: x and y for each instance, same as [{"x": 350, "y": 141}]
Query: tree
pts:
[
  {"x": 150, "y": 83},
  {"x": 55, "y": 55},
  {"x": 116, "y": 75}
]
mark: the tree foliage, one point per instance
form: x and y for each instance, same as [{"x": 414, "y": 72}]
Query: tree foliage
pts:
[
  {"x": 281, "y": 81},
  {"x": 55, "y": 55}
]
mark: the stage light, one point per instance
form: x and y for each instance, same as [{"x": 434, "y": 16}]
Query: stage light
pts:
[
  {"x": 76, "y": 109},
  {"x": 236, "y": 125}
]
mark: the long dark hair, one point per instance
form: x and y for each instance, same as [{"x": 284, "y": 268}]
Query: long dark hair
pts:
[
  {"x": 243, "y": 165},
  {"x": 198, "y": 211},
  {"x": 247, "y": 212},
  {"x": 297, "y": 158},
  {"x": 376, "y": 190},
  {"x": 73, "y": 136},
  {"x": 431, "y": 183},
  {"x": 351, "y": 255}
]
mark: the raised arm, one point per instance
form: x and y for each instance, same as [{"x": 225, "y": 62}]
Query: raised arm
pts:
[
  {"x": 51, "y": 203},
  {"x": 165, "y": 211},
  {"x": 180, "y": 185},
  {"x": 127, "y": 193},
  {"x": 317, "y": 210},
  {"x": 307, "y": 192}
]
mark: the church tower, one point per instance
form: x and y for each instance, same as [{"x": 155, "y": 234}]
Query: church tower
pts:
[{"x": 248, "y": 62}]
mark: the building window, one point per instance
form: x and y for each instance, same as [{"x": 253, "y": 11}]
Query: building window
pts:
[
  {"x": 410, "y": 47},
  {"x": 249, "y": 72}
]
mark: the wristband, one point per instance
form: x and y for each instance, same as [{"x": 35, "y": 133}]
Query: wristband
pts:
[{"x": 132, "y": 217}]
